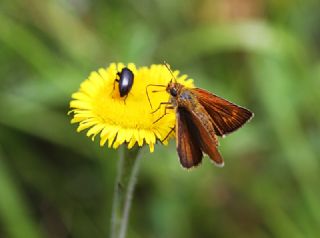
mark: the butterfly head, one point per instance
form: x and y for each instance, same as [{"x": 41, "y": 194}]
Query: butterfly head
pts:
[{"x": 174, "y": 88}]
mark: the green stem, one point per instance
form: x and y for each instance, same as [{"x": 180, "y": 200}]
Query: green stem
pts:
[{"x": 128, "y": 168}]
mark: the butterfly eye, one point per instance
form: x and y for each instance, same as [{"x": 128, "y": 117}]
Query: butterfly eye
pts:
[{"x": 173, "y": 92}]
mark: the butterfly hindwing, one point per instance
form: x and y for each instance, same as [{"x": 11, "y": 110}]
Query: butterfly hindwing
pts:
[{"x": 206, "y": 135}]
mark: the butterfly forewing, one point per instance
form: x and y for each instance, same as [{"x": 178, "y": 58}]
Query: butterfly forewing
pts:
[
  {"x": 226, "y": 116},
  {"x": 188, "y": 146}
]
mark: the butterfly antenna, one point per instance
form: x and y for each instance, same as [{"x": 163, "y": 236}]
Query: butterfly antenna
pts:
[
  {"x": 153, "y": 85},
  {"x": 148, "y": 96},
  {"x": 168, "y": 67}
]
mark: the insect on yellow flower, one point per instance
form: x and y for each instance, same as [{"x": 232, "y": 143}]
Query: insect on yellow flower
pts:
[{"x": 98, "y": 106}]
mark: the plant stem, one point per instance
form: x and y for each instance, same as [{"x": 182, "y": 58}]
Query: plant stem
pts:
[{"x": 128, "y": 168}]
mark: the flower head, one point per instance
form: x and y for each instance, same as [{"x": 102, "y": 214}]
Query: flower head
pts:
[{"x": 98, "y": 107}]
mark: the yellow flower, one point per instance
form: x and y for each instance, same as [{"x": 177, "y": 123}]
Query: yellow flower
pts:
[{"x": 97, "y": 106}]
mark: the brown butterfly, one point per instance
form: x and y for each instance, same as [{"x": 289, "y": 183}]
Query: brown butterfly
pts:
[{"x": 200, "y": 117}]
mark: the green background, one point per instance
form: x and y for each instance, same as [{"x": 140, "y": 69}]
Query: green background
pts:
[{"x": 260, "y": 54}]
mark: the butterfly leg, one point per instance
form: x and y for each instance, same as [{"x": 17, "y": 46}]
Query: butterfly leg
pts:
[
  {"x": 165, "y": 113},
  {"x": 162, "y": 103},
  {"x": 172, "y": 129},
  {"x": 152, "y": 85}
]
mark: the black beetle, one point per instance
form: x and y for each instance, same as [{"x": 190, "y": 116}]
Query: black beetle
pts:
[{"x": 125, "y": 81}]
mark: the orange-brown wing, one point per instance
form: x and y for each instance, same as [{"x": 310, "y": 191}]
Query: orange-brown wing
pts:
[
  {"x": 226, "y": 116},
  {"x": 188, "y": 146},
  {"x": 205, "y": 133}
]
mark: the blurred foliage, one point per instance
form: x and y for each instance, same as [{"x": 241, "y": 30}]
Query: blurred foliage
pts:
[{"x": 261, "y": 54}]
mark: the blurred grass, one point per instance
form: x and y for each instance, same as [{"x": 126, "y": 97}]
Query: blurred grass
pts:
[{"x": 261, "y": 54}]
